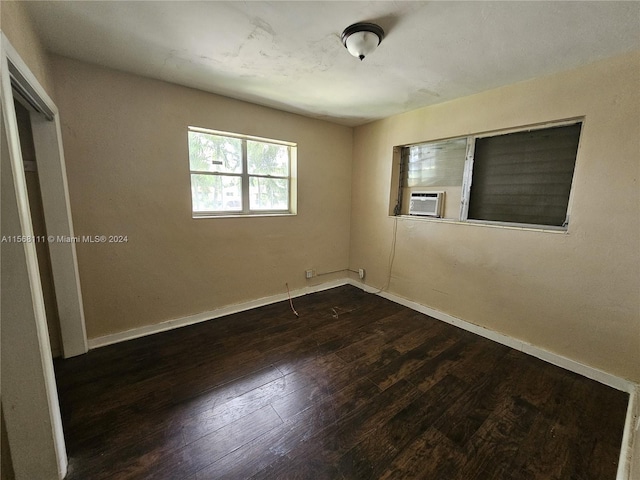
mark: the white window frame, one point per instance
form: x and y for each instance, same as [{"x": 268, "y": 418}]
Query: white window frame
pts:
[
  {"x": 468, "y": 178},
  {"x": 245, "y": 178}
]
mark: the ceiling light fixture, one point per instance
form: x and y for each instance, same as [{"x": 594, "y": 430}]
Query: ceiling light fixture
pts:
[{"x": 362, "y": 38}]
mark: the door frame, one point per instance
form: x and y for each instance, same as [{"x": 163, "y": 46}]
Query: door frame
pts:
[
  {"x": 47, "y": 138},
  {"x": 29, "y": 392}
]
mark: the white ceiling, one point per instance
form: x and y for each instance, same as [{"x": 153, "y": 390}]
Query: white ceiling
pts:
[{"x": 288, "y": 55}]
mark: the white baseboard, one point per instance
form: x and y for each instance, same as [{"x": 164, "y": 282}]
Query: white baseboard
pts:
[
  {"x": 628, "y": 465},
  {"x": 630, "y": 435},
  {"x": 204, "y": 316},
  {"x": 549, "y": 357}
]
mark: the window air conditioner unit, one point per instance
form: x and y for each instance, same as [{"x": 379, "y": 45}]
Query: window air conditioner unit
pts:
[{"x": 426, "y": 204}]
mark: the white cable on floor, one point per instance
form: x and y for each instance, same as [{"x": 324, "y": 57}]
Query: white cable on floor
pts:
[{"x": 291, "y": 301}]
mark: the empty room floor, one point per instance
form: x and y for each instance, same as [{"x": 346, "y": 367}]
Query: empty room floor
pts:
[{"x": 357, "y": 387}]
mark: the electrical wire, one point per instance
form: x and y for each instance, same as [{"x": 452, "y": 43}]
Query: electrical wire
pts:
[
  {"x": 392, "y": 255},
  {"x": 404, "y": 152},
  {"x": 334, "y": 271},
  {"x": 291, "y": 301}
]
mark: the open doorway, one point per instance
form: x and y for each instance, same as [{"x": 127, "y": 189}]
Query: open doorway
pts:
[
  {"x": 23, "y": 112},
  {"x": 47, "y": 199},
  {"x": 29, "y": 404}
]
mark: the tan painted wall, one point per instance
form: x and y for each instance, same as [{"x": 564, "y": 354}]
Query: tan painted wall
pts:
[
  {"x": 125, "y": 141},
  {"x": 575, "y": 294},
  {"x": 17, "y": 26}
]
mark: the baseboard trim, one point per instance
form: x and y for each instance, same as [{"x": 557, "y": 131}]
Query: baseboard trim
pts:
[
  {"x": 204, "y": 316},
  {"x": 549, "y": 357},
  {"x": 630, "y": 436},
  {"x": 631, "y": 433}
]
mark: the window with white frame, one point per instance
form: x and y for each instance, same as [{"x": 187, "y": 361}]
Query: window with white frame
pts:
[
  {"x": 520, "y": 177},
  {"x": 235, "y": 174}
]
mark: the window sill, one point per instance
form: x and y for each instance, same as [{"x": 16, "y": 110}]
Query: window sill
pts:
[
  {"x": 243, "y": 215},
  {"x": 479, "y": 223}
]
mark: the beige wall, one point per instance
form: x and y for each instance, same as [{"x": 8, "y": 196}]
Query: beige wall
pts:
[
  {"x": 17, "y": 26},
  {"x": 575, "y": 294},
  {"x": 125, "y": 140}
]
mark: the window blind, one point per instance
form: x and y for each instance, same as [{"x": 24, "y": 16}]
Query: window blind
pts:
[{"x": 524, "y": 177}]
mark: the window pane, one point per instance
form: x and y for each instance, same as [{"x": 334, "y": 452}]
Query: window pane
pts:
[
  {"x": 267, "y": 159},
  {"x": 214, "y": 153},
  {"x": 436, "y": 164},
  {"x": 216, "y": 193},
  {"x": 268, "y": 193}
]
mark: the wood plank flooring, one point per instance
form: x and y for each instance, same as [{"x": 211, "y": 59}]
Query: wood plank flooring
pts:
[{"x": 356, "y": 388}]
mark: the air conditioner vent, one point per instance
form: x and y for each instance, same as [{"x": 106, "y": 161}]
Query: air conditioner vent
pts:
[{"x": 426, "y": 204}]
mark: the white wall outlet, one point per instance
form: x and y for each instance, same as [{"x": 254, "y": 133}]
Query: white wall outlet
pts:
[
  {"x": 309, "y": 273},
  {"x": 361, "y": 273}
]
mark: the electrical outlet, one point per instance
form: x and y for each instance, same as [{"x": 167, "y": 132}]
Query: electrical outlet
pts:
[
  {"x": 309, "y": 273},
  {"x": 361, "y": 273}
]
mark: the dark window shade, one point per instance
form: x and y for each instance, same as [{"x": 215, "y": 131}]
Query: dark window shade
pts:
[{"x": 524, "y": 177}]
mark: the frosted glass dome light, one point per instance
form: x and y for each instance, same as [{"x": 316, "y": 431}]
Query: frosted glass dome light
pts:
[{"x": 362, "y": 38}]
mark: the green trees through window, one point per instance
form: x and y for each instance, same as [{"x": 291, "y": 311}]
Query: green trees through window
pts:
[{"x": 237, "y": 174}]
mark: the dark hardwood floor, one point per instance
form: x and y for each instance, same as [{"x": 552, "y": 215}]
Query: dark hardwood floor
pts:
[{"x": 356, "y": 388}]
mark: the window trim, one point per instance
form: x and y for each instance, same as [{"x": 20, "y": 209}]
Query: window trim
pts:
[
  {"x": 468, "y": 176},
  {"x": 245, "y": 178}
]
